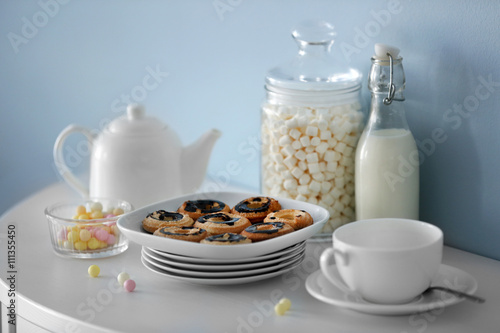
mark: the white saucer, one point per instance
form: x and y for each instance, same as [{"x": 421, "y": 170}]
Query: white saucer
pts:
[
  {"x": 212, "y": 261},
  {"x": 319, "y": 287},
  {"x": 223, "y": 281},
  {"x": 223, "y": 267},
  {"x": 222, "y": 274}
]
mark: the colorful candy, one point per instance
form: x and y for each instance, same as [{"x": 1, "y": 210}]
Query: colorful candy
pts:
[
  {"x": 93, "y": 243},
  {"x": 93, "y": 235},
  {"x": 96, "y": 207},
  {"x": 129, "y": 285},
  {"x": 122, "y": 277},
  {"x": 94, "y": 271},
  {"x": 85, "y": 235},
  {"x": 81, "y": 210},
  {"x": 283, "y": 306},
  {"x": 117, "y": 211}
]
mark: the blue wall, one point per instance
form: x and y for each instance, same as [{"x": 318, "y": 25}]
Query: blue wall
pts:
[{"x": 75, "y": 61}]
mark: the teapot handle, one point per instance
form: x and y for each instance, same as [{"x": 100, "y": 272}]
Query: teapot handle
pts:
[{"x": 61, "y": 166}]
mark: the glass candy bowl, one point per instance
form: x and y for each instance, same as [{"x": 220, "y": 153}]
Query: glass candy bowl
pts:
[{"x": 87, "y": 228}]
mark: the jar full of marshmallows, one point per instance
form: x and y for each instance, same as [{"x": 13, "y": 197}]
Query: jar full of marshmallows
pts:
[{"x": 311, "y": 122}]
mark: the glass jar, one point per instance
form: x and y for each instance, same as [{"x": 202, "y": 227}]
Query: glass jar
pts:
[{"x": 311, "y": 122}]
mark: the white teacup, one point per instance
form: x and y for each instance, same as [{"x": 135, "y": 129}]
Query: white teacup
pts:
[{"x": 386, "y": 261}]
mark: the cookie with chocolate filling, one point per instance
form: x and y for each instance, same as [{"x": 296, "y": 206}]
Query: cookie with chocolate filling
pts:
[
  {"x": 255, "y": 209},
  {"x": 226, "y": 239},
  {"x": 190, "y": 234},
  {"x": 295, "y": 218},
  {"x": 162, "y": 218},
  {"x": 196, "y": 208},
  {"x": 221, "y": 223},
  {"x": 262, "y": 231}
]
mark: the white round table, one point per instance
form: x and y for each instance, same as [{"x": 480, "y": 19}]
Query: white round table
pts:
[{"x": 55, "y": 294}]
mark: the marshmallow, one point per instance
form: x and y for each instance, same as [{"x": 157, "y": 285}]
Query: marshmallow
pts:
[
  {"x": 301, "y": 197},
  {"x": 325, "y": 135},
  {"x": 300, "y": 155},
  {"x": 297, "y": 172},
  {"x": 315, "y": 186},
  {"x": 290, "y": 184},
  {"x": 296, "y": 145},
  {"x": 284, "y": 140},
  {"x": 315, "y": 141},
  {"x": 290, "y": 162},
  {"x": 312, "y": 157},
  {"x": 348, "y": 151},
  {"x": 305, "y": 141},
  {"x": 288, "y": 150},
  {"x": 313, "y": 167},
  {"x": 295, "y": 133},
  {"x": 291, "y": 123},
  {"x": 325, "y": 187},
  {"x": 303, "y": 189},
  {"x": 322, "y": 147},
  {"x": 340, "y": 147},
  {"x": 304, "y": 179},
  {"x": 319, "y": 176},
  {"x": 302, "y": 121},
  {"x": 313, "y": 200},
  {"x": 312, "y": 131}
]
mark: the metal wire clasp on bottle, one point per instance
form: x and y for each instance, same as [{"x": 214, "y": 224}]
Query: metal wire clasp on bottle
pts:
[{"x": 392, "y": 88}]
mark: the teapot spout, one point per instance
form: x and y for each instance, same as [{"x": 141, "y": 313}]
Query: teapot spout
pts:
[{"x": 194, "y": 160}]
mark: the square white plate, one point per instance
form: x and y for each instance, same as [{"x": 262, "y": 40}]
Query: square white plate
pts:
[{"x": 131, "y": 226}]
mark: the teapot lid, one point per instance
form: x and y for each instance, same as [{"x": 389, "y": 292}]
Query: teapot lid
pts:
[{"x": 136, "y": 122}]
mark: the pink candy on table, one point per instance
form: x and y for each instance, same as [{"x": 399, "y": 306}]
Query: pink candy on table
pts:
[{"x": 129, "y": 285}]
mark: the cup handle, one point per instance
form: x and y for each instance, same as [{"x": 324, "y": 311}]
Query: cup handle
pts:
[
  {"x": 61, "y": 166},
  {"x": 326, "y": 268}
]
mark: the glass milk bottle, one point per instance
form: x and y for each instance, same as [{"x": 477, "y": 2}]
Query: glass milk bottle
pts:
[
  {"x": 387, "y": 163},
  {"x": 311, "y": 123}
]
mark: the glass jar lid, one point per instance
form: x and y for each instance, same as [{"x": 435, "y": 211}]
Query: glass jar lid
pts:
[{"x": 314, "y": 68}]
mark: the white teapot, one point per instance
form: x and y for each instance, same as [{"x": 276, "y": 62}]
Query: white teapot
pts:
[{"x": 138, "y": 159}]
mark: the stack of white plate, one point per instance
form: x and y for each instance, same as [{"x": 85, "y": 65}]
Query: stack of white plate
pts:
[
  {"x": 223, "y": 271},
  {"x": 221, "y": 264}
]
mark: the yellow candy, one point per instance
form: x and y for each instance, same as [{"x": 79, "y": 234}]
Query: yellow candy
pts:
[
  {"x": 286, "y": 303},
  {"x": 84, "y": 217},
  {"x": 94, "y": 270},
  {"x": 80, "y": 210},
  {"x": 103, "y": 244},
  {"x": 85, "y": 235},
  {"x": 117, "y": 211},
  {"x": 283, "y": 306},
  {"x": 93, "y": 243},
  {"x": 279, "y": 309},
  {"x": 75, "y": 217},
  {"x": 96, "y": 207},
  {"x": 96, "y": 215},
  {"x": 73, "y": 236},
  {"x": 81, "y": 246},
  {"x": 115, "y": 230}
]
